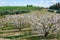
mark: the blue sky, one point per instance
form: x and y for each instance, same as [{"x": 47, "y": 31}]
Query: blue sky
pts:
[{"x": 44, "y": 3}]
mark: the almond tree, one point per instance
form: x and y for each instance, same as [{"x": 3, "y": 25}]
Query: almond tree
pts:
[{"x": 49, "y": 25}]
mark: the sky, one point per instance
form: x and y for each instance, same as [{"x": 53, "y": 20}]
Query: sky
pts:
[{"x": 42, "y": 3}]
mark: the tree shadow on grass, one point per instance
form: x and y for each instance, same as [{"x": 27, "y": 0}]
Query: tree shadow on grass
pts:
[{"x": 42, "y": 37}]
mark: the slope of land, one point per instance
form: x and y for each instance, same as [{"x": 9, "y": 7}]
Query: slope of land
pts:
[{"x": 19, "y": 27}]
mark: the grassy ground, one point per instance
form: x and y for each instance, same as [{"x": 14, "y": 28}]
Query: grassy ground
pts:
[{"x": 18, "y": 8}]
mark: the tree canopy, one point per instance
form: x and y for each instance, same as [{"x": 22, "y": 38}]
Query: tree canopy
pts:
[{"x": 55, "y": 6}]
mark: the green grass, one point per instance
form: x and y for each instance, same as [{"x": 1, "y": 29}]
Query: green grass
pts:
[
  {"x": 31, "y": 38},
  {"x": 18, "y": 8},
  {"x": 42, "y": 37},
  {"x": 11, "y": 37},
  {"x": 14, "y": 36}
]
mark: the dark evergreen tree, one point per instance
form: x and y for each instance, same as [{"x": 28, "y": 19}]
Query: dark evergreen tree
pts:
[{"x": 55, "y": 6}]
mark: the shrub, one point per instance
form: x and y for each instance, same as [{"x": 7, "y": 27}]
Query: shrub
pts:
[
  {"x": 58, "y": 11},
  {"x": 25, "y": 11},
  {"x": 17, "y": 12},
  {"x": 50, "y": 10},
  {"x": 55, "y": 6},
  {"x": 1, "y": 13},
  {"x": 29, "y": 5},
  {"x": 6, "y": 12}
]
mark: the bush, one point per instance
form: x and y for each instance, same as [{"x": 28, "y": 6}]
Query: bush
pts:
[
  {"x": 25, "y": 11},
  {"x": 17, "y": 12},
  {"x": 8, "y": 12},
  {"x": 1, "y": 12},
  {"x": 55, "y": 6},
  {"x": 29, "y": 5},
  {"x": 50, "y": 10},
  {"x": 58, "y": 11}
]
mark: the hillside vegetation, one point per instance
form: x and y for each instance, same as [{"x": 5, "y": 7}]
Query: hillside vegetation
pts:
[
  {"x": 19, "y": 8},
  {"x": 28, "y": 26},
  {"x": 11, "y": 10}
]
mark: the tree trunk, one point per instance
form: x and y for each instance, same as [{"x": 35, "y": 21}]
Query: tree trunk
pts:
[{"x": 46, "y": 34}]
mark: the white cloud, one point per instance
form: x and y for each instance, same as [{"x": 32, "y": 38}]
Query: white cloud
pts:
[
  {"x": 44, "y": 3},
  {"x": 54, "y": 1}
]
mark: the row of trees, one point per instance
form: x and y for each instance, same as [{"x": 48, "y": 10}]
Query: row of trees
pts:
[
  {"x": 29, "y": 5},
  {"x": 6, "y": 12},
  {"x": 55, "y": 6}
]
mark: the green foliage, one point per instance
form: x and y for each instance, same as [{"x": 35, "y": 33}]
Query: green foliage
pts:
[
  {"x": 50, "y": 10},
  {"x": 29, "y": 5},
  {"x": 58, "y": 11},
  {"x": 5, "y": 10},
  {"x": 8, "y": 12},
  {"x": 55, "y": 6}
]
